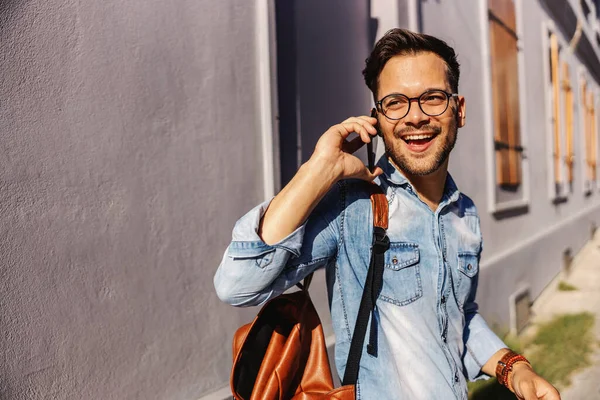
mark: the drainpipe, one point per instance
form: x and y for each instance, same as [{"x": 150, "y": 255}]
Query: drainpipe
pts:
[
  {"x": 578, "y": 30},
  {"x": 576, "y": 36},
  {"x": 264, "y": 24},
  {"x": 413, "y": 15}
]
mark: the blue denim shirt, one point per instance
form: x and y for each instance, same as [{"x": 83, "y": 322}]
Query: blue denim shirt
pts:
[{"x": 431, "y": 338}]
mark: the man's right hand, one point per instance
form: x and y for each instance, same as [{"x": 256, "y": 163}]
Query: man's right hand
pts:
[
  {"x": 334, "y": 152},
  {"x": 331, "y": 161}
]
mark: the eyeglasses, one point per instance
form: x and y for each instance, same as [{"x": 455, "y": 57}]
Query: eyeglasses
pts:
[{"x": 432, "y": 102}]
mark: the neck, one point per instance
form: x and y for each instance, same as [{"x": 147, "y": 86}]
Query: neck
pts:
[{"x": 429, "y": 188}]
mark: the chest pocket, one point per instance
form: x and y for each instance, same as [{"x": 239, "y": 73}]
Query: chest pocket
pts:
[
  {"x": 468, "y": 267},
  {"x": 401, "y": 275}
]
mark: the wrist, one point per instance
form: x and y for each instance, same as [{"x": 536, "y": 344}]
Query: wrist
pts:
[
  {"x": 322, "y": 168},
  {"x": 508, "y": 365},
  {"x": 517, "y": 368}
]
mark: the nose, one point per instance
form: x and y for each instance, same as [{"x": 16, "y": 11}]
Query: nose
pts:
[{"x": 416, "y": 116}]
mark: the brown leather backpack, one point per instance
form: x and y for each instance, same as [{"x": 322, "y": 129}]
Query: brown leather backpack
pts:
[{"x": 282, "y": 354}]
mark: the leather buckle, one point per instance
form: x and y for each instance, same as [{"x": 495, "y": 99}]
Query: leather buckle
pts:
[{"x": 381, "y": 243}]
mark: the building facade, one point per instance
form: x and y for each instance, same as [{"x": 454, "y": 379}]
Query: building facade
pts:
[{"x": 134, "y": 135}]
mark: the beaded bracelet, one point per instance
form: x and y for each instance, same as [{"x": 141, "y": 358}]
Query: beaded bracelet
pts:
[{"x": 505, "y": 366}]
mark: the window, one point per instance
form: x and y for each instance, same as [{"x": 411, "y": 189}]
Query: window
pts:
[
  {"x": 555, "y": 112},
  {"x": 594, "y": 133},
  {"x": 569, "y": 121},
  {"x": 560, "y": 111},
  {"x": 505, "y": 93},
  {"x": 589, "y": 134}
]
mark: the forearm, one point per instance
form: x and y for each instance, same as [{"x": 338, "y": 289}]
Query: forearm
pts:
[
  {"x": 292, "y": 206},
  {"x": 489, "y": 368}
]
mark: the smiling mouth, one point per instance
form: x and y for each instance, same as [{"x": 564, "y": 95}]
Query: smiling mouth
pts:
[{"x": 420, "y": 139}]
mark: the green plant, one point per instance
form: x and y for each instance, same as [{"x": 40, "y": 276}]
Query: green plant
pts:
[
  {"x": 566, "y": 287},
  {"x": 563, "y": 346}
]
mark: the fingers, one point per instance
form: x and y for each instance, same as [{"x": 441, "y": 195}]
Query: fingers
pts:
[
  {"x": 367, "y": 119},
  {"x": 363, "y": 126},
  {"x": 549, "y": 393},
  {"x": 370, "y": 120}
]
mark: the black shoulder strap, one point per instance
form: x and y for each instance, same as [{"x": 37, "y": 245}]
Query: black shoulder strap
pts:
[
  {"x": 304, "y": 286},
  {"x": 372, "y": 288}
]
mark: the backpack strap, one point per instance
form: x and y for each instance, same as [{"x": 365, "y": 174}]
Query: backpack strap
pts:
[
  {"x": 373, "y": 285},
  {"x": 306, "y": 283}
]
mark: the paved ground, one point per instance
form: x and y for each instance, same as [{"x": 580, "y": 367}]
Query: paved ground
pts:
[{"x": 585, "y": 275}]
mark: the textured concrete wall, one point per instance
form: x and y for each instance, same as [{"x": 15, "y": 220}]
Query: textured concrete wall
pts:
[{"x": 123, "y": 126}]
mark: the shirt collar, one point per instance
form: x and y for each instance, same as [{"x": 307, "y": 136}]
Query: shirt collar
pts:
[{"x": 393, "y": 175}]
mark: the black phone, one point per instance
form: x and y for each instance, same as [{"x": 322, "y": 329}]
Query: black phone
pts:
[{"x": 370, "y": 151}]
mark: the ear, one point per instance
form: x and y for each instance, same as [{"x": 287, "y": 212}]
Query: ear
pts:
[{"x": 462, "y": 112}]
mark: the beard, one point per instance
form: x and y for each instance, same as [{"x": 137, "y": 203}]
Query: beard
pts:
[{"x": 426, "y": 165}]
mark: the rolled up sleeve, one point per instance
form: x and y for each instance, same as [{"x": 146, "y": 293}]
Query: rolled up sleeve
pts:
[
  {"x": 252, "y": 272},
  {"x": 481, "y": 343}
]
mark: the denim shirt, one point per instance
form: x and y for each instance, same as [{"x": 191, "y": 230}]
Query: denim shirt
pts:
[{"x": 431, "y": 338}]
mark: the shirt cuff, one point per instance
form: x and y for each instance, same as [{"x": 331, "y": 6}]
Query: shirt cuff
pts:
[{"x": 246, "y": 243}]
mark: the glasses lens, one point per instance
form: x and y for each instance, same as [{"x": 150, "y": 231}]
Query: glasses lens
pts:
[
  {"x": 434, "y": 102},
  {"x": 395, "y": 106}
]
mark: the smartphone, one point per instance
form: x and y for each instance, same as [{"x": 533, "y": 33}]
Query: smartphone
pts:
[{"x": 370, "y": 150}]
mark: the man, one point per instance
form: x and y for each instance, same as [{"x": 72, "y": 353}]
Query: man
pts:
[{"x": 431, "y": 338}]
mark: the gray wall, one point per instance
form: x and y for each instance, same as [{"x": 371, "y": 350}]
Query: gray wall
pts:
[{"x": 130, "y": 146}]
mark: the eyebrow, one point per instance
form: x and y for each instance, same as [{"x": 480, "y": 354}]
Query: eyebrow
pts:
[{"x": 426, "y": 90}]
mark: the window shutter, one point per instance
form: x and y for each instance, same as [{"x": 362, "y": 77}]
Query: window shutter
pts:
[
  {"x": 566, "y": 85},
  {"x": 556, "y": 105},
  {"x": 505, "y": 91}
]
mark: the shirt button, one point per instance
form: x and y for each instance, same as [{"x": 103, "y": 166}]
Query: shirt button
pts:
[
  {"x": 455, "y": 378},
  {"x": 469, "y": 267},
  {"x": 394, "y": 261},
  {"x": 443, "y": 299}
]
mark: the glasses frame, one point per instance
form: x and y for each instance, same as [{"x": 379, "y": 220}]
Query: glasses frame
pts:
[{"x": 449, "y": 95}]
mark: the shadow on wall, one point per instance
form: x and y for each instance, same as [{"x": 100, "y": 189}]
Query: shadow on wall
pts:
[
  {"x": 373, "y": 26},
  {"x": 321, "y": 51},
  {"x": 511, "y": 212}
]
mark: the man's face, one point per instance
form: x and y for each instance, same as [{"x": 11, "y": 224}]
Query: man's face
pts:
[{"x": 419, "y": 144}]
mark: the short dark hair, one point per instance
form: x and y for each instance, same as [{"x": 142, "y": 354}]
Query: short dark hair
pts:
[{"x": 401, "y": 42}]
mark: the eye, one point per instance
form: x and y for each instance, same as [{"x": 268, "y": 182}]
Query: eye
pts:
[
  {"x": 434, "y": 98},
  {"x": 395, "y": 102}
]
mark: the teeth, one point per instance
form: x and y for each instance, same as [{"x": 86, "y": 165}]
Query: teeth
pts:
[{"x": 417, "y": 137}]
